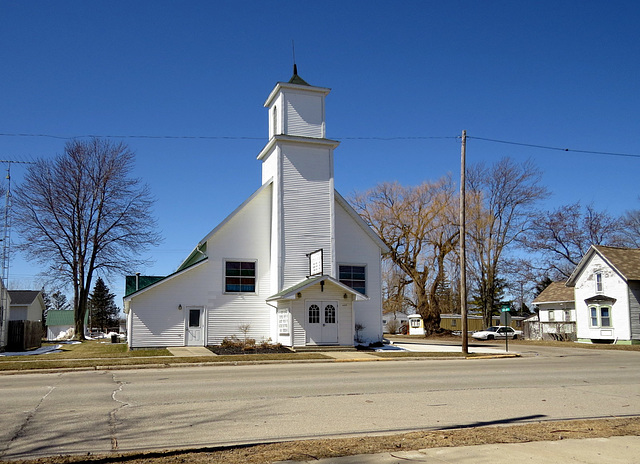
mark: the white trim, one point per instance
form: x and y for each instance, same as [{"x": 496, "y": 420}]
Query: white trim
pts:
[
  {"x": 353, "y": 213},
  {"x": 228, "y": 218},
  {"x": 295, "y": 139},
  {"x": 224, "y": 275},
  {"x": 127, "y": 298},
  {"x": 286, "y": 85}
]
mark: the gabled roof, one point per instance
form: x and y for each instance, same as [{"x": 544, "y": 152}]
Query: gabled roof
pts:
[
  {"x": 198, "y": 254},
  {"x": 361, "y": 222},
  {"x": 160, "y": 280},
  {"x": 625, "y": 261},
  {"x": 291, "y": 292},
  {"x": 23, "y": 297},
  {"x": 138, "y": 282},
  {"x": 556, "y": 292}
]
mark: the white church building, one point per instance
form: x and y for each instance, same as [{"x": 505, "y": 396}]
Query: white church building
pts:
[{"x": 294, "y": 263}]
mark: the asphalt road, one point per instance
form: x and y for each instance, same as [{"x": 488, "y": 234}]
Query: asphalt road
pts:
[{"x": 101, "y": 411}]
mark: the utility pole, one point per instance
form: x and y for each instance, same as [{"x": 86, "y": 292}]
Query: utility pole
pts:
[{"x": 463, "y": 247}]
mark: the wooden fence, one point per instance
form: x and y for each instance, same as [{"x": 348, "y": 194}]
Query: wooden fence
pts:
[{"x": 24, "y": 335}]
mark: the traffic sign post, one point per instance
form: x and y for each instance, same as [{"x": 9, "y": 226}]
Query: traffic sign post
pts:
[{"x": 505, "y": 320}]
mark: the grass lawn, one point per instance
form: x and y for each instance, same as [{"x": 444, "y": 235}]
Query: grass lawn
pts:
[{"x": 99, "y": 353}]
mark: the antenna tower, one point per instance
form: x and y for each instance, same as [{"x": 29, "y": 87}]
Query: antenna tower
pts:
[{"x": 6, "y": 250}]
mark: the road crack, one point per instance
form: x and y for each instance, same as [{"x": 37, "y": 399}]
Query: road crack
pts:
[
  {"x": 113, "y": 419},
  {"x": 19, "y": 431}
]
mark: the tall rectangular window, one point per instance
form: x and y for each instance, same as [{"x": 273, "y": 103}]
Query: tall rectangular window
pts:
[
  {"x": 598, "y": 282},
  {"x": 354, "y": 277},
  {"x": 240, "y": 276},
  {"x": 552, "y": 315},
  {"x": 600, "y": 316}
]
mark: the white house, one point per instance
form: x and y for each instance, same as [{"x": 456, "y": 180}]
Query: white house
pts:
[
  {"x": 606, "y": 286},
  {"x": 294, "y": 262},
  {"x": 556, "y": 313},
  {"x": 26, "y": 305},
  {"x": 393, "y": 321}
]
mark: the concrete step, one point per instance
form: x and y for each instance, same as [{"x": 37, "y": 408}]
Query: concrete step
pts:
[{"x": 323, "y": 348}]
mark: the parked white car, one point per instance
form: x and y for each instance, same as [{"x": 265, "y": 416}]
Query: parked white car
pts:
[{"x": 497, "y": 332}]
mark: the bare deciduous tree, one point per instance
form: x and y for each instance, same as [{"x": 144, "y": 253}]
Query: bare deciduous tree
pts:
[
  {"x": 631, "y": 229},
  {"x": 81, "y": 215},
  {"x": 501, "y": 201},
  {"x": 418, "y": 224},
  {"x": 562, "y": 237}
]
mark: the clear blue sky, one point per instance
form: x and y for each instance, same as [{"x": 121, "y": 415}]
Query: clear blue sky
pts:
[{"x": 554, "y": 73}]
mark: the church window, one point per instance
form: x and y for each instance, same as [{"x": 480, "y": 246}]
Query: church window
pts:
[
  {"x": 275, "y": 120},
  {"x": 314, "y": 314},
  {"x": 354, "y": 277},
  {"x": 240, "y": 277}
]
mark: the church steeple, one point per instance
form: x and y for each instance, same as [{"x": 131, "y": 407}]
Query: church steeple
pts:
[
  {"x": 295, "y": 79},
  {"x": 297, "y": 108},
  {"x": 298, "y": 159}
]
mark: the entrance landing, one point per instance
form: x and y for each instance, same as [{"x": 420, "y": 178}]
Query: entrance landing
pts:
[{"x": 188, "y": 351}]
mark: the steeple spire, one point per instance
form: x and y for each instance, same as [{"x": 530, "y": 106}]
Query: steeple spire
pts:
[{"x": 295, "y": 79}]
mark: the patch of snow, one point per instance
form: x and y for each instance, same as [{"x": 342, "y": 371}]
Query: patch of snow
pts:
[
  {"x": 41, "y": 350},
  {"x": 390, "y": 348}
]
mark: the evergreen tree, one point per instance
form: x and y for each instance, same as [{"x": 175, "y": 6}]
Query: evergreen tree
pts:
[{"x": 104, "y": 312}]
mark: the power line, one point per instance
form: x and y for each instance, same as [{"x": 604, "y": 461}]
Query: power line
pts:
[
  {"x": 392, "y": 138},
  {"x": 545, "y": 147},
  {"x": 206, "y": 137}
]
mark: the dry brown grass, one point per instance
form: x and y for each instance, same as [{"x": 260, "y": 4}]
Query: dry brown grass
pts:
[{"x": 326, "y": 448}]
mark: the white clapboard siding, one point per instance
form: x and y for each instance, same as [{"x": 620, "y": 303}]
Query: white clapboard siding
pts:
[
  {"x": 245, "y": 237},
  {"x": 307, "y": 212},
  {"x": 155, "y": 317},
  {"x": 614, "y": 286},
  {"x": 304, "y": 115},
  {"x": 355, "y": 247}
]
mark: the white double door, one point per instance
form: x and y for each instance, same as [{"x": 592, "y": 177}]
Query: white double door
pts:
[{"x": 322, "y": 322}]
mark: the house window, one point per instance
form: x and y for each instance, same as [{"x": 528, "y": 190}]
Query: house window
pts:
[
  {"x": 567, "y": 316},
  {"x": 283, "y": 322},
  {"x": 600, "y": 316},
  {"x": 415, "y": 323},
  {"x": 354, "y": 277},
  {"x": 240, "y": 276},
  {"x": 454, "y": 323},
  {"x": 314, "y": 314},
  {"x": 598, "y": 282},
  {"x": 552, "y": 315}
]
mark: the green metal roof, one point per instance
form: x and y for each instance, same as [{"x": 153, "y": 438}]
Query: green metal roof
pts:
[
  {"x": 63, "y": 317},
  {"x": 143, "y": 281},
  {"x": 197, "y": 255}
]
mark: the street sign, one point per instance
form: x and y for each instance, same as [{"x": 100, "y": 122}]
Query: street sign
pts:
[
  {"x": 505, "y": 319},
  {"x": 505, "y": 309}
]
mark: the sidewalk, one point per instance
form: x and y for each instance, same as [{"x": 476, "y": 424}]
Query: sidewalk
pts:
[{"x": 586, "y": 451}]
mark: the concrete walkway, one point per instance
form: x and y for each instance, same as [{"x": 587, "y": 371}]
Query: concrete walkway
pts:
[
  {"x": 586, "y": 451},
  {"x": 190, "y": 351},
  {"x": 426, "y": 346}
]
